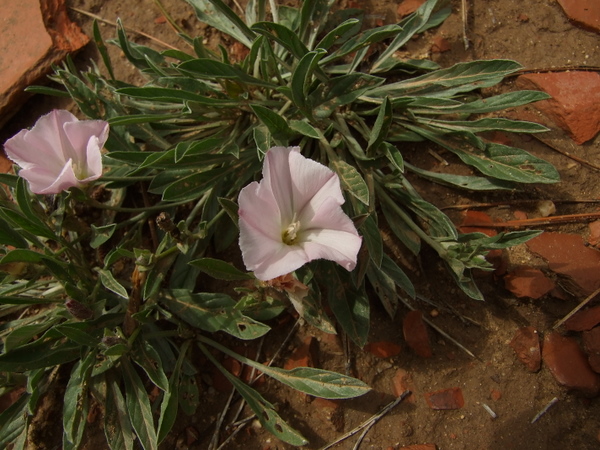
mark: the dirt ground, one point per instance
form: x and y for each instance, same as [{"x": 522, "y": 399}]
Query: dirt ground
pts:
[{"x": 538, "y": 35}]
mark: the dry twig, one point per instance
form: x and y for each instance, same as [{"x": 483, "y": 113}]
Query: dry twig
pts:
[{"x": 577, "y": 308}]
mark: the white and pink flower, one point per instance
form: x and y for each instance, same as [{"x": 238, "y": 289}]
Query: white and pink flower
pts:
[
  {"x": 59, "y": 152},
  {"x": 293, "y": 216}
]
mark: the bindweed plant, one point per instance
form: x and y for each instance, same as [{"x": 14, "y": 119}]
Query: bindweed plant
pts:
[{"x": 101, "y": 281}]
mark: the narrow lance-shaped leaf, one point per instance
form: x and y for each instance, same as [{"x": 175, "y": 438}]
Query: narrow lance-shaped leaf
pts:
[
  {"x": 351, "y": 180},
  {"x": 265, "y": 412},
  {"x": 117, "y": 426},
  {"x": 213, "y": 312},
  {"x": 220, "y": 270},
  {"x": 138, "y": 406},
  {"x": 218, "y": 15},
  {"x": 317, "y": 382}
]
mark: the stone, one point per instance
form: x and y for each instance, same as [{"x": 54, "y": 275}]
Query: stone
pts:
[
  {"x": 569, "y": 365},
  {"x": 471, "y": 223},
  {"x": 584, "y": 319},
  {"x": 383, "y": 349},
  {"x": 416, "y": 335},
  {"x": 575, "y": 102},
  {"x": 49, "y": 37},
  {"x": 408, "y": 7},
  {"x": 585, "y": 13},
  {"x": 526, "y": 344},
  {"x": 568, "y": 255},
  {"x": 528, "y": 282},
  {"x": 451, "y": 398}
]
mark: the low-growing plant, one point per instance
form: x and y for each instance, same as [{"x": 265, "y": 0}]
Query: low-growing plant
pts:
[{"x": 103, "y": 280}]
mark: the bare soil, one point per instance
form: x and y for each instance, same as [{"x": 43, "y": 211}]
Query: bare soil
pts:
[{"x": 538, "y": 35}]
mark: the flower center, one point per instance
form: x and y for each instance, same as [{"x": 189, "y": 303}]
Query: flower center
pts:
[{"x": 290, "y": 234}]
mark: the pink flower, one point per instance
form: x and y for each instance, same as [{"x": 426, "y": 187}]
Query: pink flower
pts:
[
  {"x": 59, "y": 152},
  {"x": 294, "y": 216}
]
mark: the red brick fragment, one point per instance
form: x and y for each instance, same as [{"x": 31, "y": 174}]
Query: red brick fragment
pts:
[
  {"x": 403, "y": 382},
  {"x": 568, "y": 255},
  {"x": 451, "y": 398},
  {"x": 408, "y": 7},
  {"x": 591, "y": 345},
  {"x": 383, "y": 349},
  {"x": 569, "y": 365},
  {"x": 526, "y": 344},
  {"x": 416, "y": 335},
  {"x": 575, "y": 102},
  {"x": 35, "y": 35},
  {"x": 304, "y": 356},
  {"x": 585, "y": 319},
  {"x": 585, "y": 13},
  {"x": 528, "y": 282}
]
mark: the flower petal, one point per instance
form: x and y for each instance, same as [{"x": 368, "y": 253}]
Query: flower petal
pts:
[
  {"x": 331, "y": 235},
  {"x": 333, "y": 245},
  {"x": 312, "y": 183},
  {"x": 287, "y": 259},
  {"x": 278, "y": 179},
  {"x": 42, "y": 181}
]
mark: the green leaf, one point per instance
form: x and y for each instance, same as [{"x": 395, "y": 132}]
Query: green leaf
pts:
[
  {"x": 461, "y": 77},
  {"x": 213, "y": 312},
  {"x": 25, "y": 333},
  {"x": 483, "y": 125},
  {"x": 145, "y": 356},
  {"x": 381, "y": 126},
  {"x": 218, "y": 15},
  {"x": 31, "y": 225},
  {"x": 220, "y": 270},
  {"x": 305, "y": 129},
  {"x": 101, "y": 234},
  {"x": 215, "y": 70},
  {"x": 265, "y": 412},
  {"x": 39, "y": 355},
  {"x": 170, "y": 401},
  {"x": 76, "y": 400},
  {"x": 489, "y": 104},
  {"x": 384, "y": 288},
  {"x": 275, "y": 122},
  {"x": 138, "y": 407},
  {"x": 193, "y": 185},
  {"x": 471, "y": 183},
  {"x": 282, "y": 35},
  {"x": 365, "y": 39},
  {"x": 189, "y": 395},
  {"x": 351, "y": 180},
  {"x": 102, "y": 49},
  {"x": 370, "y": 232},
  {"x": 117, "y": 424},
  {"x": 350, "y": 306},
  {"x": 110, "y": 283},
  {"x": 409, "y": 27},
  {"x": 339, "y": 34},
  {"x": 317, "y": 382},
  {"x": 301, "y": 79},
  {"x": 231, "y": 208},
  {"x": 77, "y": 333},
  {"x": 13, "y": 421}
]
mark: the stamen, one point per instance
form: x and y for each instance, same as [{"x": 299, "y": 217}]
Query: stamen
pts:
[{"x": 290, "y": 234}]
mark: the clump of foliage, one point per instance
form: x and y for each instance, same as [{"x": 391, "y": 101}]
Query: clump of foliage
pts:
[{"x": 88, "y": 286}]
